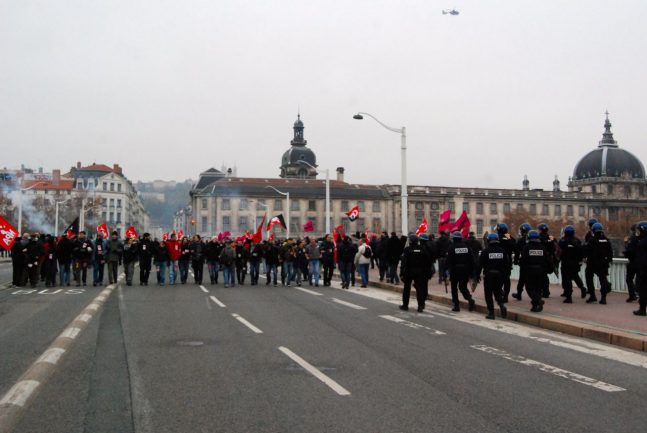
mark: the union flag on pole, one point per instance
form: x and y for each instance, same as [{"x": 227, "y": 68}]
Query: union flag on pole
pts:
[
  {"x": 103, "y": 230},
  {"x": 443, "y": 221},
  {"x": 353, "y": 214},
  {"x": 131, "y": 232},
  {"x": 8, "y": 234},
  {"x": 422, "y": 228},
  {"x": 73, "y": 229},
  {"x": 257, "y": 238},
  {"x": 462, "y": 225},
  {"x": 276, "y": 220}
]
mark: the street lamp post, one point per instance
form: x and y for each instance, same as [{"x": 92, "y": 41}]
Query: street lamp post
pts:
[
  {"x": 287, "y": 196},
  {"x": 56, "y": 217},
  {"x": 403, "y": 159},
  {"x": 266, "y": 206},
  {"x": 327, "y": 193},
  {"x": 20, "y": 205}
]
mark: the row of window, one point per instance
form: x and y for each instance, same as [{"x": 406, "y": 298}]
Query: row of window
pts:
[
  {"x": 544, "y": 209},
  {"x": 295, "y": 225},
  {"x": 295, "y": 205},
  {"x": 104, "y": 186},
  {"x": 111, "y": 220}
]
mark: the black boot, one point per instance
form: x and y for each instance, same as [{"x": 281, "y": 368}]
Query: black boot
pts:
[
  {"x": 568, "y": 300},
  {"x": 641, "y": 312},
  {"x": 456, "y": 308},
  {"x": 504, "y": 311},
  {"x": 472, "y": 306},
  {"x": 490, "y": 315}
]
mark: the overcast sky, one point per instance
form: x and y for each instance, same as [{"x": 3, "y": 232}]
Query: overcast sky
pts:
[{"x": 170, "y": 88}]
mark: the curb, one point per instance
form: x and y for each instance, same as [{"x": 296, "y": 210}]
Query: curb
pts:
[
  {"x": 601, "y": 334},
  {"x": 14, "y": 403}
]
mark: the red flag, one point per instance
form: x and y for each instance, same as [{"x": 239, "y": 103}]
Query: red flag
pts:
[
  {"x": 276, "y": 220},
  {"x": 165, "y": 237},
  {"x": 443, "y": 222},
  {"x": 180, "y": 234},
  {"x": 353, "y": 214},
  {"x": 8, "y": 234},
  {"x": 73, "y": 229},
  {"x": 103, "y": 230},
  {"x": 257, "y": 238},
  {"x": 423, "y": 227},
  {"x": 223, "y": 235},
  {"x": 309, "y": 226},
  {"x": 462, "y": 225},
  {"x": 271, "y": 238},
  {"x": 366, "y": 233},
  {"x": 340, "y": 230},
  {"x": 131, "y": 232}
]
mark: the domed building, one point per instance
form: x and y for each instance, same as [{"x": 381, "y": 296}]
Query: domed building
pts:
[
  {"x": 298, "y": 161},
  {"x": 609, "y": 170}
]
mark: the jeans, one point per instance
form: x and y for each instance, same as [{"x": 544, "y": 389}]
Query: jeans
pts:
[
  {"x": 271, "y": 272},
  {"x": 113, "y": 271},
  {"x": 254, "y": 270},
  {"x": 212, "y": 266},
  {"x": 161, "y": 272},
  {"x": 314, "y": 271},
  {"x": 229, "y": 273},
  {"x": 64, "y": 273},
  {"x": 363, "y": 272},
  {"x": 129, "y": 270},
  {"x": 184, "y": 270},
  {"x": 344, "y": 272},
  {"x": 97, "y": 272},
  {"x": 288, "y": 271},
  {"x": 172, "y": 271},
  {"x": 392, "y": 275}
]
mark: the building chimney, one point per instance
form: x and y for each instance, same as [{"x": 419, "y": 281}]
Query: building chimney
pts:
[
  {"x": 56, "y": 177},
  {"x": 116, "y": 168},
  {"x": 78, "y": 165},
  {"x": 340, "y": 174}
]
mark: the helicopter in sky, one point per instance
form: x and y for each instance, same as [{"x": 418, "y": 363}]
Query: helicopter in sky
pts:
[{"x": 450, "y": 12}]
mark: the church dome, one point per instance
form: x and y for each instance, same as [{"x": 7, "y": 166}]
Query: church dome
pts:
[
  {"x": 608, "y": 160},
  {"x": 295, "y": 154}
]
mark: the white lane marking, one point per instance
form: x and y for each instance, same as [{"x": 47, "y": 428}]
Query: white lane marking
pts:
[
  {"x": 314, "y": 371},
  {"x": 204, "y": 289},
  {"x": 312, "y": 292},
  {"x": 70, "y": 333},
  {"x": 348, "y": 304},
  {"x": 51, "y": 355},
  {"x": 550, "y": 369},
  {"x": 100, "y": 298},
  {"x": 84, "y": 317},
  {"x": 220, "y": 304},
  {"x": 520, "y": 330},
  {"x": 412, "y": 324},
  {"x": 246, "y": 323},
  {"x": 92, "y": 306},
  {"x": 19, "y": 393}
]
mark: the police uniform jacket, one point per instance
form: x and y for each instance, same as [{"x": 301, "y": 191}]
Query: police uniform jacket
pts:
[
  {"x": 416, "y": 262},
  {"x": 534, "y": 259},
  {"x": 571, "y": 252},
  {"x": 599, "y": 252},
  {"x": 494, "y": 258},
  {"x": 460, "y": 260}
]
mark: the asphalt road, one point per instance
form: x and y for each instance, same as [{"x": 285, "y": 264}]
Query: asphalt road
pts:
[
  {"x": 279, "y": 359},
  {"x": 5, "y": 274}
]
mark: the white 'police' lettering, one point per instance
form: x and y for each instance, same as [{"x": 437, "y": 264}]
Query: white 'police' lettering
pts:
[
  {"x": 495, "y": 256},
  {"x": 536, "y": 253},
  {"x": 460, "y": 250}
]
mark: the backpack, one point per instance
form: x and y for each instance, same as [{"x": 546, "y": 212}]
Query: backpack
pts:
[{"x": 367, "y": 252}]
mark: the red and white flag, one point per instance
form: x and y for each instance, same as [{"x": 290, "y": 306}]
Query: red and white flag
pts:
[
  {"x": 165, "y": 237},
  {"x": 180, "y": 234},
  {"x": 276, "y": 220},
  {"x": 131, "y": 232},
  {"x": 103, "y": 230},
  {"x": 423, "y": 227},
  {"x": 353, "y": 214},
  {"x": 8, "y": 234}
]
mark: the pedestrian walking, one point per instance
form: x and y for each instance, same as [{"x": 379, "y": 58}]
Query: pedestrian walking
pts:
[
  {"x": 460, "y": 264},
  {"x": 416, "y": 269},
  {"x": 495, "y": 263}
]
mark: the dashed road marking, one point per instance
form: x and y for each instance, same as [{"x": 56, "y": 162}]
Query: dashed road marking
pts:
[
  {"x": 412, "y": 324},
  {"x": 84, "y": 317},
  {"x": 51, "y": 355},
  {"x": 550, "y": 369},
  {"x": 204, "y": 289},
  {"x": 312, "y": 292},
  {"x": 217, "y": 301},
  {"x": 70, "y": 332},
  {"x": 20, "y": 393},
  {"x": 314, "y": 371},
  {"x": 348, "y": 304},
  {"x": 246, "y": 323}
]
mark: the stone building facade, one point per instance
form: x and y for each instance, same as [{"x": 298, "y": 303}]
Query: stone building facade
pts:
[{"x": 607, "y": 182}]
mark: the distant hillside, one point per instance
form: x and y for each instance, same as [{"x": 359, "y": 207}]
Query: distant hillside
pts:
[{"x": 163, "y": 198}]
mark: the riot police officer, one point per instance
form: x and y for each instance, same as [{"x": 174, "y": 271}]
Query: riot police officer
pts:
[
  {"x": 460, "y": 263},
  {"x": 495, "y": 262},
  {"x": 522, "y": 240},
  {"x": 641, "y": 267},
  {"x": 599, "y": 254},
  {"x": 509, "y": 244},
  {"x": 571, "y": 255},
  {"x": 631, "y": 243},
  {"x": 550, "y": 246},
  {"x": 535, "y": 263},
  {"x": 415, "y": 267}
]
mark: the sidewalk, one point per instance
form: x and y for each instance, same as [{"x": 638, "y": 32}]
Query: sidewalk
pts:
[{"x": 613, "y": 323}]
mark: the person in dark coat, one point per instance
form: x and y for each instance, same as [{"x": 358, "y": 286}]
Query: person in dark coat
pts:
[
  {"x": 460, "y": 264},
  {"x": 494, "y": 262},
  {"x": 571, "y": 255},
  {"x": 197, "y": 258},
  {"x": 64, "y": 256},
  {"x": 535, "y": 262},
  {"x": 631, "y": 243},
  {"x": 81, "y": 256},
  {"x": 443, "y": 245},
  {"x": 18, "y": 260},
  {"x": 145, "y": 253},
  {"x": 641, "y": 267},
  {"x": 50, "y": 264},
  {"x": 394, "y": 253},
  {"x": 415, "y": 268},
  {"x": 599, "y": 255}
]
